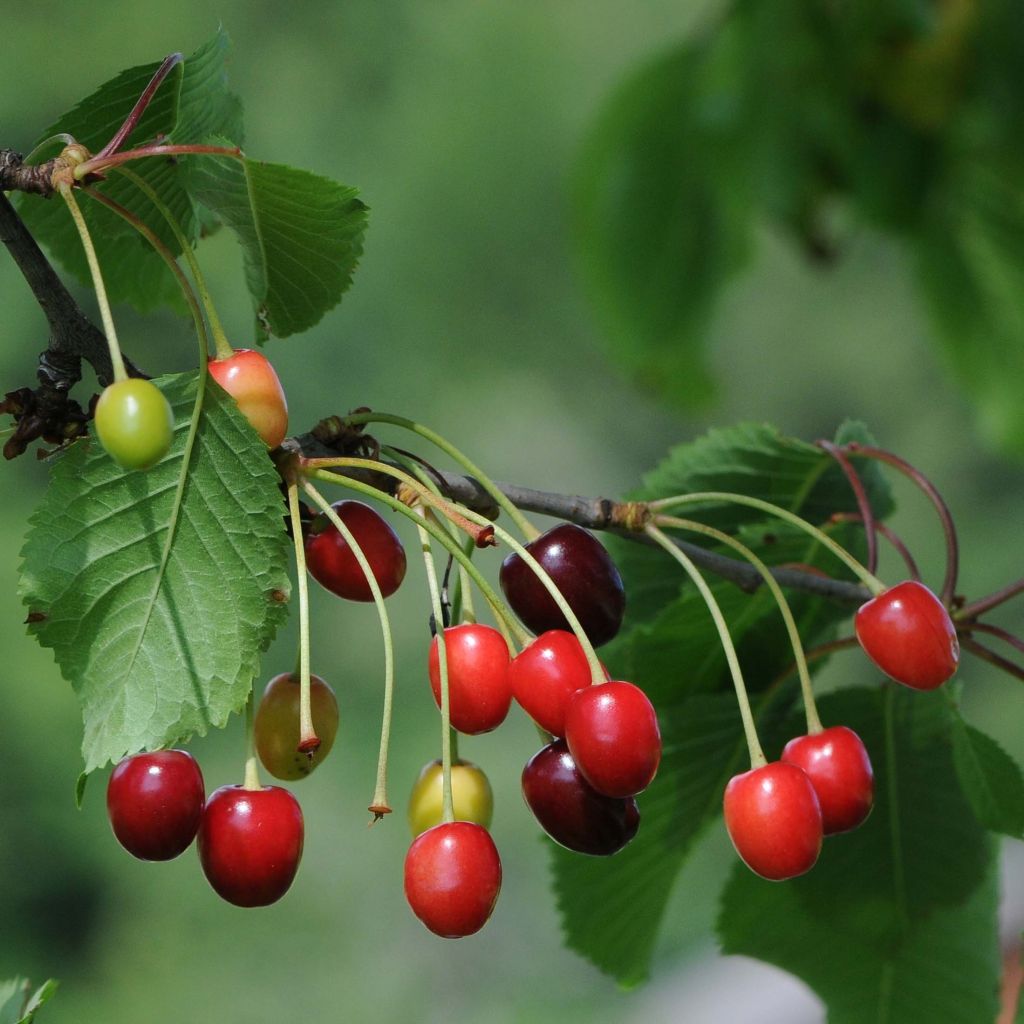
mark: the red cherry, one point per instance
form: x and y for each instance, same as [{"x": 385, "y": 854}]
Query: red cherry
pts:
[
  {"x": 333, "y": 564},
  {"x": 154, "y": 802},
  {"x": 479, "y": 691},
  {"x": 582, "y": 570},
  {"x": 839, "y": 768},
  {"x": 613, "y": 736},
  {"x": 254, "y": 385},
  {"x": 545, "y": 675},
  {"x": 909, "y": 635},
  {"x": 570, "y": 810},
  {"x": 773, "y": 818},
  {"x": 250, "y": 843},
  {"x": 452, "y": 878}
]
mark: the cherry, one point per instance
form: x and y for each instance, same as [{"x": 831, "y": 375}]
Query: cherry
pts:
[
  {"x": 452, "y": 878},
  {"x": 612, "y": 733},
  {"x": 582, "y": 570},
  {"x": 545, "y": 675},
  {"x": 134, "y": 423},
  {"x": 154, "y": 802},
  {"x": 839, "y": 768},
  {"x": 479, "y": 692},
  {"x": 252, "y": 382},
  {"x": 773, "y": 818},
  {"x": 276, "y": 727},
  {"x": 472, "y": 799},
  {"x": 333, "y": 564},
  {"x": 909, "y": 635},
  {"x": 570, "y": 810},
  {"x": 250, "y": 843}
]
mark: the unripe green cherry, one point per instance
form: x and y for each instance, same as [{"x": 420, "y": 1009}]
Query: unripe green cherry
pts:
[
  {"x": 276, "y": 728},
  {"x": 472, "y": 799},
  {"x": 134, "y": 423}
]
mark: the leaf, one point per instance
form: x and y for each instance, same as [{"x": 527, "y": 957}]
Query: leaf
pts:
[
  {"x": 991, "y": 779},
  {"x": 192, "y": 103},
  {"x": 16, "y": 1006},
  {"x": 896, "y": 922},
  {"x": 152, "y": 656},
  {"x": 301, "y": 235}
]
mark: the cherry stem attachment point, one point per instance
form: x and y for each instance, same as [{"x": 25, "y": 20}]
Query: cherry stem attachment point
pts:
[
  {"x": 308, "y": 739},
  {"x": 863, "y": 504},
  {"x": 132, "y": 120}
]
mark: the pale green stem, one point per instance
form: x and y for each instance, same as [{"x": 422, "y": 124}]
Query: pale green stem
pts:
[
  {"x": 252, "y": 771},
  {"x": 308, "y": 740}
]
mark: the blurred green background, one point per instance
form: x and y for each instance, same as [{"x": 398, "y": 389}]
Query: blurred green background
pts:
[{"x": 460, "y": 123}]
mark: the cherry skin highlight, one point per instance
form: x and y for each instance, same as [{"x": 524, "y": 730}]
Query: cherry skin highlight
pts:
[
  {"x": 248, "y": 377},
  {"x": 612, "y": 733},
  {"x": 584, "y": 573},
  {"x": 479, "y": 691},
  {"x": 276, "y": 727},
  {"x": 472, "y": 799},
  {"x": 333, "y": 564},
  {"x": 773, "y": 818},
  {"x": 545, "y": 676},
  {"x": 134, "y": 423},
  {"x": 452, "y": 878},
  {"x": 250, "y": 843},
  {"x": 154, "y": 802},
  {"x": 570, "y": 810},
  {"x": 837, "y": 763},
  {"x": 909, "y": 635}
]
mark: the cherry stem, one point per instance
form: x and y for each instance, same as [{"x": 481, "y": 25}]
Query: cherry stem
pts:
[
  {"x": 380, "y": 794},
  {"x": 62, "y": 137},
  {"x": 984, "y": 604},
  {"x": 132, "y": 120},
  {"x": 98, "y": 164},
  {"x": 447, "y": 807},
  {"x": 813, "y": 653},
  {"x": 308, "y": 739},
  {"x": 757, "y": 758},
  {"x": 120, "y": 373},
  {"x": 220, "y": 341},
  {"x": 997, "y": 631},
  {"x": 252, "y": 771},
  {"x": 874, "y": 585},
  {"x": 525, "y": 527},
  {"x": 863, "y": 504},
  {"x": 980, "y": 651},
  {"x": 890, "y": 535},
  {"x": 814, "y": 725},
  {"x": 941, "y": 509}
]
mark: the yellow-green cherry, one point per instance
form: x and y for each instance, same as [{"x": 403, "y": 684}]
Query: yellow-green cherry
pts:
[{"x": 134, "y": 423}]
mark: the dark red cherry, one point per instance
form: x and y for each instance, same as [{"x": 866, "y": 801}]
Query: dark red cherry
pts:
[
  {"x": 154, "y": 802},
  {"x": 570, "y": 810},
  {"x": 546, "y": 674},
  {"x": 452, "y": 878},
  {"x": 773, "y": 818},
  {"x": 909, "y": 635},
  {"x": 479, "y": 692},
  {"x": 250, "y": 843},
  {"x": 332, "y": 563},
  {"x": 582, "y": 570}
]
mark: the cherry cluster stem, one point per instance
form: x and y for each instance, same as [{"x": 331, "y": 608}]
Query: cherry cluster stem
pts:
[{"x": 308, "y": 740}]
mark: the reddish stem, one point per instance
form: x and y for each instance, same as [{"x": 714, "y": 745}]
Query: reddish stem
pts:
[
  {"x": 813, "y": 653},
  {"x": 1003, "y": 634},
  {"x": 890, "y": 535},
  {"x": 984, "y": 604},
  {"x": 980, "y": 651},
  {"x": 98, "y": 164},
  {"x": 866, "y": 513},
  {"x": 132, "y": 120}
]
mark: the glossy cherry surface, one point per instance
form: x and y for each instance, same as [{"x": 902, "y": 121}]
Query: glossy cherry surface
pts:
[
  {"x": 276, "y": 727},
  {"x": 613, "y": 735},
  {"x": 909, "y": 635},
  {"x": 250, "y": 843},
  {"x": 479, "y": 691},
  {"x": 545, "y": 675},
  {"x": 773, "y": 818},
  {"x": 582, "y": 570},
  {"x": 570, "y": 810},
  {"x": 837, "y": 763},
  {"x": 472, "y": 799},
  {"x": 452, "y": 878},
  {"x": 333, "y": 564},
  {"x": 154, "y": 802},
  {"x": 248, "y": 377},
  {"x": 134, "y": 423}
]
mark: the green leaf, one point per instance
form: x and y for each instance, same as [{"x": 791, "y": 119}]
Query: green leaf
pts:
[
  {"x": 192, "y": 103},
  {"x": 896, "y": 922},
  {"x": 16, "y": 1006},
  {"x": 301, "y": 236},
  {"x": 153, "y": 655},
  {"x": 991, "y": 779}
]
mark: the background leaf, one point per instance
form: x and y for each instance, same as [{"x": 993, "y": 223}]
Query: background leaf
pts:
[
  {"x": 16, "y": 1006},
  {"x": 154, "y": 659},
  {"x": 991, "y": 779}
]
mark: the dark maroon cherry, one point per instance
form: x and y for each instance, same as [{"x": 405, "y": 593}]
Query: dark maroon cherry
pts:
[
  {"x": 582, "y": 570},
  {"x": 250, "y": 843},
  {"x": 570, "y": 810},
  {"x": 155, "y": 802}
]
